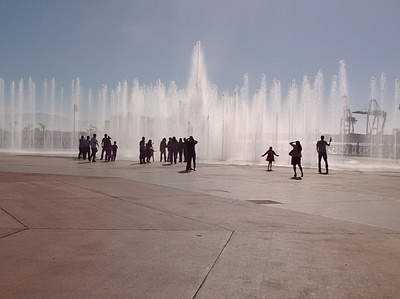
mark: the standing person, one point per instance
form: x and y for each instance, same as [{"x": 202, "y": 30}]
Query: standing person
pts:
[
  {"x": 180, "y": 149},
  {"x": 169, "y": 149},
  {"x": 142, "y": 151},
  {"x": 270, "y": 157},
  {"x": 86, "y": 147},
  {"x": 149, "y": 150},
  {"x": 93, "y": 144},
  {"x": 173, "y": 150},
  {"x": 108, "y": 145},
  {"x": 185, "y": 150},
  {"x": 321, "y": 150},
  {"x": 103, "y": 147},
  {"x": 191, "y": 153},
  {"x": 114, "y": 151},
  {"x": 296, "y": 156},
  {"x": 80, "y": 155},
  {"x": 163, "y": 147}
]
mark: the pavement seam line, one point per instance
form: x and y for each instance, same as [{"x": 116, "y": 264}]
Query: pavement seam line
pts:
[
  {"x": 12, "y": 216},
  {"x": 14, "y": 233},
  {"x": 142, "y": 205},
  {"x": 213, "y": 265}
]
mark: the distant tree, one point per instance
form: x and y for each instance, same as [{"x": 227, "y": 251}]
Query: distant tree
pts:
[
  {"x": 42, "y": 126},
  {"x": 28, "y": 128}
]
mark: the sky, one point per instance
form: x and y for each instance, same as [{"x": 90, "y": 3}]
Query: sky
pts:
[{"x": 103, "y": 42}]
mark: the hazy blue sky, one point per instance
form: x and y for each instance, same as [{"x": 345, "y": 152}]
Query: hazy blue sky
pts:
[{"x": 109, "y": 41}]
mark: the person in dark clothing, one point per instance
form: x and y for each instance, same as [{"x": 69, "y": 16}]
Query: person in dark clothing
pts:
[
  {"x": 296, "y": 156},
  {"x": 93, "y": 144},
  {"x": 270, "y": 157},
  {"x": 169, "y": 149},
  {"x": 107, "y": 145},
  {"x": 321, "y": 150},
  {"x": 163, "y": 147},
  {"x": 191, "y": 154},
  {"x": 81, "y": 141},
  {"x": 142, "y": 151},
  {"x": 86, "y": 147},
  {"x": 180, "y": 149},
  {"x": 185, "y": 150},
  {"x": 149, "y": 150},
  {"x": 173, "y": 150},
  {"x": 114, "y": 151},
  {"x": 103, "y": 148}
]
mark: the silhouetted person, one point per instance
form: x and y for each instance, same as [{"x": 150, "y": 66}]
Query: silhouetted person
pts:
[
  {"x": 321, "y": 150},
  {"x": 86, "y": 147},
  {"x": 296, "y": 156},
  {"x": 173, "y": 145},
  {"x": 142, "y": 151},
  {"x": 185, "y": 150},
  {"x": 180, "y": 149},
  {"x": 93, "y": 144},
  {"x": 80, "y": 155},
  {"x": 270, "y": 157},
  {"x": 114, "y": 151},
  {"x": 169, "y": 149},
  {"x": 103, "y": 148},
  {"x": 191, "y": 154},
  {"x": 107, "y": 145},
  {"x": 149, "y": 150},
  {"x": 163, "y": 147}
]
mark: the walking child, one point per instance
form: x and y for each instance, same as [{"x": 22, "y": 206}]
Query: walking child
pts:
[{"x": 270, "y": 157}]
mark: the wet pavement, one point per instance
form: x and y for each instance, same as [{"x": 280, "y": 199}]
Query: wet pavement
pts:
[{"x": 69, "y": 228}]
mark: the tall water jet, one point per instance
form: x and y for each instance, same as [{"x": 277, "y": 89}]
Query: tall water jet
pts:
[{"x": 233, "y": 127}]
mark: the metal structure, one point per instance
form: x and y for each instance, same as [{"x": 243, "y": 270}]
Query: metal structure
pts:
[
  {"x": 376, "y": 118},
  {"x": 347, "y": 122}
]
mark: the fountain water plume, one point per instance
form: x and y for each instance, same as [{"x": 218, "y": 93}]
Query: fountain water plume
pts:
[{"x": 235, "y": 127}]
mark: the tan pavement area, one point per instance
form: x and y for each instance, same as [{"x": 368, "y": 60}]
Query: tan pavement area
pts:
[{"x": 74, "y": 229}]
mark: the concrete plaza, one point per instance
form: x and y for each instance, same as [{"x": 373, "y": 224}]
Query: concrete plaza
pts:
[{"x": 74, "y": 229}]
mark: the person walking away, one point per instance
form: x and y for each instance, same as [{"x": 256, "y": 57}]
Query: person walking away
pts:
[
  {"x": 142, "y": 151},
  {"x": 169, "y": 152},
  {"x": 173, "y": 150},
  {"x": 270, "y": 157},
  {"x": 86, "y": 147},
  {"x": 321, "y": 150},
  {"x": 80, "y": 155},
  {"x": 163, "y": 147},
  {"x": 296, "y": 157},
  {"x": 191, "y": 154},
  {"x": 103, "y": 147},
  {"x": 185, "y": 154},
  {"x": 114, "y": 151},
  {"x": 108, "y": 149},
  {"x": 93, "y": 144},
  {"x": 149, "y": 150},
  {"x": 180, "y": 149}
]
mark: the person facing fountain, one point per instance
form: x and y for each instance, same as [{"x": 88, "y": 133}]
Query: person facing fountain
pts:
[
  {"x": 321, "y": 150},
  {"x": 296, "y": 157}
]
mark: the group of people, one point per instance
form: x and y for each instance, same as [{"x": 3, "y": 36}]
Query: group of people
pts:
[
  {"x": 89, "y": 147},
  {"x": 173, "y": 151},
  {"x": 296, "y": 155}
]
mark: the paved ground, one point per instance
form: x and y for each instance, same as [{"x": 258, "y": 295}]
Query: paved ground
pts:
[{"x": 72, "y": 229}]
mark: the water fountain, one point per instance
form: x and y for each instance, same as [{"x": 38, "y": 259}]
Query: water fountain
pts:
[{"x": 233, "y": 127}]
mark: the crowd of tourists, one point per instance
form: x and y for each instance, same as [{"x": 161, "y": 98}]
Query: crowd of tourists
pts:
[
  {"x": 88, "y": 148},
  {"x": 183, "y": 150},
  {"x": 173, "y": 151}
]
